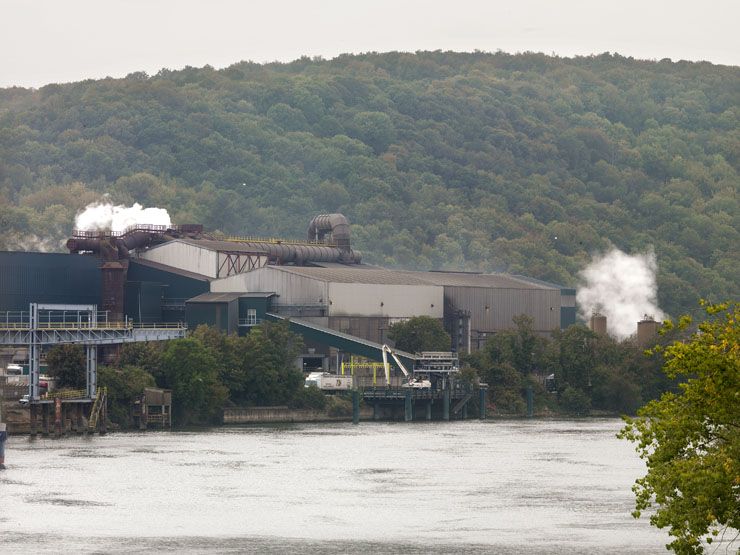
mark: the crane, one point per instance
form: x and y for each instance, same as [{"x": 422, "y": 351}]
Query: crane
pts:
[{"x": 417, "y": 383}]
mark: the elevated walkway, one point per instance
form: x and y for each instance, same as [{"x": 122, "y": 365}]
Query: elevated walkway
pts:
[
  {"x": 342, "y": 341},
  {"x": 105, "y": 333}
]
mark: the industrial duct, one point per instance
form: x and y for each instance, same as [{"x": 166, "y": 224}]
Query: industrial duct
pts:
[
  {"x": 287, "y": 253},
  {"x": 335, "y": 225}
]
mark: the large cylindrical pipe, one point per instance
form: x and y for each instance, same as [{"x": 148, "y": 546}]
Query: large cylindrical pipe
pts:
[
  {"x": 336, "y": 224},
  {"x": 80, "y": 244},
  {"x": 299, "y": 254}
]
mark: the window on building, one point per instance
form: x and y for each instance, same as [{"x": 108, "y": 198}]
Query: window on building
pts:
[{"x": 251, "y": 316}]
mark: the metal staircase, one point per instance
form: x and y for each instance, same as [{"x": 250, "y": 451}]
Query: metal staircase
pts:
[{"x": 97, "y": 408}]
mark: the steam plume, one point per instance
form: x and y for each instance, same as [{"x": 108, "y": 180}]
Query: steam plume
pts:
[
  {"x": 104, "y": 216},
  {"x": 622, "y": 288}
]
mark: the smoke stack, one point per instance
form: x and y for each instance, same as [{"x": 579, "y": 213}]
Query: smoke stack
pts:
[
  {"x": 647, "y": 329},
  {"x": 597, "y": 324}
]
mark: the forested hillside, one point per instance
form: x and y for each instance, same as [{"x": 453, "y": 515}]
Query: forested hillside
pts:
[{"x": 525, "y": 163}]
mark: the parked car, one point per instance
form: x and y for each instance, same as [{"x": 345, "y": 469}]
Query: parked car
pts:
[{"x": 25, "y": 399}]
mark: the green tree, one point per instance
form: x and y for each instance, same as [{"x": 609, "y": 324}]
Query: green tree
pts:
[
  {"x": 124, "y": 386},
  {"x": 67, "y": 365},
  {"x": 271, "y": 376},
  {"x": 189, "y": 368},
  {"x": 690, "y": 440},
  {"x": 420, "y": 333},
  {"x": 374, "y": 129}
]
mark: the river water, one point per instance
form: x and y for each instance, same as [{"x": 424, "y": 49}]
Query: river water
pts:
[{"x": 534, "y": 486}]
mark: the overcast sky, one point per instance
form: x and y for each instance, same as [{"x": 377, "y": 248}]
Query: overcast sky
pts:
[{"x": 48, "y": 41}]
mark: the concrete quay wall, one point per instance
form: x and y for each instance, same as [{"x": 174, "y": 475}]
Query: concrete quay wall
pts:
[{"x": 261, "y": 415}]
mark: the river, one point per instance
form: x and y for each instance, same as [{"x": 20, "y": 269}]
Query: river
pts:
[{"x": 498, "y": 486}]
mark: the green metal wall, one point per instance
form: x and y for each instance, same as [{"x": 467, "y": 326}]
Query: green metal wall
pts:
[
  {"x": 178, "y": 286},
  {"x": 170, "y": 288},
  {"x": 220, "y": 315},
  {"x": 143, "y": 301},
  {"x": 27, "y": 277}
]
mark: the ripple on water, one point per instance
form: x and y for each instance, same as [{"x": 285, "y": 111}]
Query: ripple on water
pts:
[{"x": 64, "y": 501}]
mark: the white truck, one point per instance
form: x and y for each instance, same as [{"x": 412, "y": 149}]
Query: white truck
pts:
[{"x": 329, "y": 382}]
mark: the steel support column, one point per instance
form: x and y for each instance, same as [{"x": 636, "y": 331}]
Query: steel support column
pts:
[
  {"x": 92, "y": 369},
  {"x": 446, "y": 405}
]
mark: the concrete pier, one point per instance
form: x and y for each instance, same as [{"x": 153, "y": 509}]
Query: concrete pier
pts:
[
  {"x": 355, "y": 407},
  {"x": 408, "y": 407}
]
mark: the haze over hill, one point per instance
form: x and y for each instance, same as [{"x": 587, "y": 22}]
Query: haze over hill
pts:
[{"x": 525, "y": 163}]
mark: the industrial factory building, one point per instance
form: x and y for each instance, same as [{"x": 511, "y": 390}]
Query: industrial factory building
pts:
[{"x": 180, "y": 273}]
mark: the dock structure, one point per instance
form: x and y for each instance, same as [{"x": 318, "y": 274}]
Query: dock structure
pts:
[
  {"x": 447, "y": 403},
  {"x": 46, "y": 325}
]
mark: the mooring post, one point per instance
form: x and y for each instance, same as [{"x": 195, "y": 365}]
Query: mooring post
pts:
[
  {"x": 482, "y": 403},
  {"x": 408, "y": 405},
  {"x": 376, "y": 411},
  {"x": 429, "y": 410},
  {"x": 45, "y": 419},
  {"x": 80, "y": 424},
  {"x": 530, "y": 402},
  {"x": 34, "y": 423},
  {"x": 57, "y": 417},
  {"x": 446, "y": 405},
  {"x": 3, "y": 437},
  {"x": 355, "y": 406}
]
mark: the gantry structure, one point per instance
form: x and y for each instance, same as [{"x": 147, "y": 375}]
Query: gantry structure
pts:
[{"x": 46, "y": 325}]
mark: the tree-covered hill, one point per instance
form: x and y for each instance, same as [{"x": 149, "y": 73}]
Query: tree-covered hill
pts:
[{"x": 476, "y": 161}]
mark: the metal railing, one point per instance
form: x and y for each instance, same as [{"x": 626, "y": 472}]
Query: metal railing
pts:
[
  {"x": 146, "y": 228},
  {"x": 247, "y": 322},
  {"x": 67, "y": 394},
  {"x": 102, "y": 324},
  {"x": 276, "y": 241}
]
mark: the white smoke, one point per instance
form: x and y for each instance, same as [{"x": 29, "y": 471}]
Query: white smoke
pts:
[
  {"x": 104, "y": 216},
  {"x": 622, "y": 288}
]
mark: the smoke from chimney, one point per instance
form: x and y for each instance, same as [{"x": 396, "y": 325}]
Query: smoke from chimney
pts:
[
  {"x": 105, "y": 216},
  {"x": 622, "y": 287}
]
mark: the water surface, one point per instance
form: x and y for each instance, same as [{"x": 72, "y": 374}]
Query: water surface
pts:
[{"x": 461, "y": 487}]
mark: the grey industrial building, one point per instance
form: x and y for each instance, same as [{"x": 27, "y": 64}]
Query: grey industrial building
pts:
[{"x": 182, "y": 274}]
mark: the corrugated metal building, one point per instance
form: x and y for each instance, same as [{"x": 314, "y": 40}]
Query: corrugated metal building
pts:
[
  {"x": 181, "y": 280},
  {"x": 37, "y": 277},
  {"x": 477, "y": 305},
  {"x": 207, "y": 257},
  {"x": 359, "y": 300},
  {"x": 219, "y": 310}
]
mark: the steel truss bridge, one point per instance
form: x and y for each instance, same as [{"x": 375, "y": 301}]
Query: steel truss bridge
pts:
[{"x": 54, "y": 324}]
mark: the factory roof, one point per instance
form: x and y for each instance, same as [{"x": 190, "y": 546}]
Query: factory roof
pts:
[
  {"x": 171, "y": 269},
  {"x": 355, "y": 274},
  {"x": 215, "y": 298},
  {"x": 221, "y": 246},
  {"x": 469, "y": 279},
  {"x": 339, "y": 273}
]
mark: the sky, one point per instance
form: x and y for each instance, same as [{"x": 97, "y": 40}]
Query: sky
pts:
[{"x": 52, "y": 41}]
